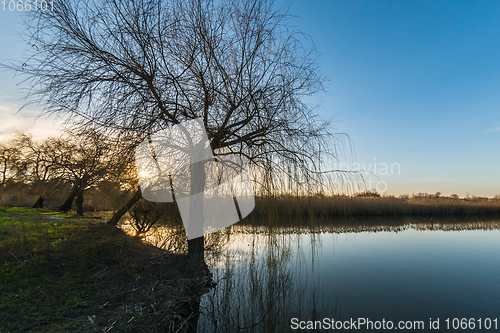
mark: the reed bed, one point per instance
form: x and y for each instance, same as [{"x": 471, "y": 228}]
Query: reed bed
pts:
[{"x": 286, "y": 206}]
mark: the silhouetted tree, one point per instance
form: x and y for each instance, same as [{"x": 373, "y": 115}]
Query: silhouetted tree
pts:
[
  {"x": 145, "y": 215},
  {"x": 141, "y": 66},
  {"x": 9, "y": 157},
  {"x": 86, "y": 157}
]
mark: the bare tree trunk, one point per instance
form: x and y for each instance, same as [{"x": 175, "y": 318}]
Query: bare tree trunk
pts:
[
  {"x": 196, "y": 246},
  {"x": 117, "y": 216},
  {"x": 39, "y": 202},
  {"x": 69, "y": 201},
  {"x": 79, "y": 199}
]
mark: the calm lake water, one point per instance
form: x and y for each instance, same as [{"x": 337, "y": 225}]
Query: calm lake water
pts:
[{"x": 384, "y": 269}]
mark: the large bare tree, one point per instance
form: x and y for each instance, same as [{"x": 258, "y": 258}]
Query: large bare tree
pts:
[{"x": 140, "y": 66}]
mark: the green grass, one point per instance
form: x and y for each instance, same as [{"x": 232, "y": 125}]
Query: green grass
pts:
[
  {"x": 76, "y": 274},
  {"x": 28, "y": 232},
  {"x": 32, "y": 292}
]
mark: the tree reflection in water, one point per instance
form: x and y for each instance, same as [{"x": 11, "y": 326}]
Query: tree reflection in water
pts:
[
  {"x": 263, "y": 280},
  {"x": 266, "y": 273},
  {"x": 264, "y": 277}
]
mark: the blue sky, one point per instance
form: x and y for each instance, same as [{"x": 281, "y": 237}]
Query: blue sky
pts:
[{"x": 415, "y": 83}]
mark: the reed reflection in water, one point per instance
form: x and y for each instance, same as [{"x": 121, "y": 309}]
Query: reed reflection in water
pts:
[
  {"x": 259, "y": 285},
  {"x": 400, "y": 269}
]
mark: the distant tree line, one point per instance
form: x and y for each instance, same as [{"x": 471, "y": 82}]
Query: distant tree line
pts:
[{"x": 75, "y": 160}]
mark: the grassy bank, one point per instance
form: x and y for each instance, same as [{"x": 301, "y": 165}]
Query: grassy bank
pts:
[
  {"x": 63, "y": 274},
  {"x": 330, "y": 206}
]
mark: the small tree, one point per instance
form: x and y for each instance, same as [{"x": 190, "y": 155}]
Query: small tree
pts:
[
  {"x": 145, "y": 215},
  {"x": 86, "y": 158},
  {"x": 9, "y": 158}
]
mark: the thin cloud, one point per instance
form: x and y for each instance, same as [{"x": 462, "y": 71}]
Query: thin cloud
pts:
[
  {"x": 492, "y": 130},
  {"x": 24, "y": 121}
]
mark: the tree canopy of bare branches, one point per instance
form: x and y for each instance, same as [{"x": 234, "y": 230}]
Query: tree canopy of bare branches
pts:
[
  {"x": 81, "y": 158},
  {"x": 9, "y": 162},
  {"x": 141, "y": 66},
  {"x": 86, "y": 157}
]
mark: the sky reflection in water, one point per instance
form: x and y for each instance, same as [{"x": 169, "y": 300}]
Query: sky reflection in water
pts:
[{"x": 407, "y": 275}]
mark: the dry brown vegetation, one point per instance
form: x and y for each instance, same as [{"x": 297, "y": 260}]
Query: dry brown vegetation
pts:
[
  {"x": 342, "y": 205},
  {"x": 105, "y": 196},
  {"x": 108, "y": 196}
]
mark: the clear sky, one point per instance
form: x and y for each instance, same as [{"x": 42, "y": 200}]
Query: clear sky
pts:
[{"x": 415, "y": 84}]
